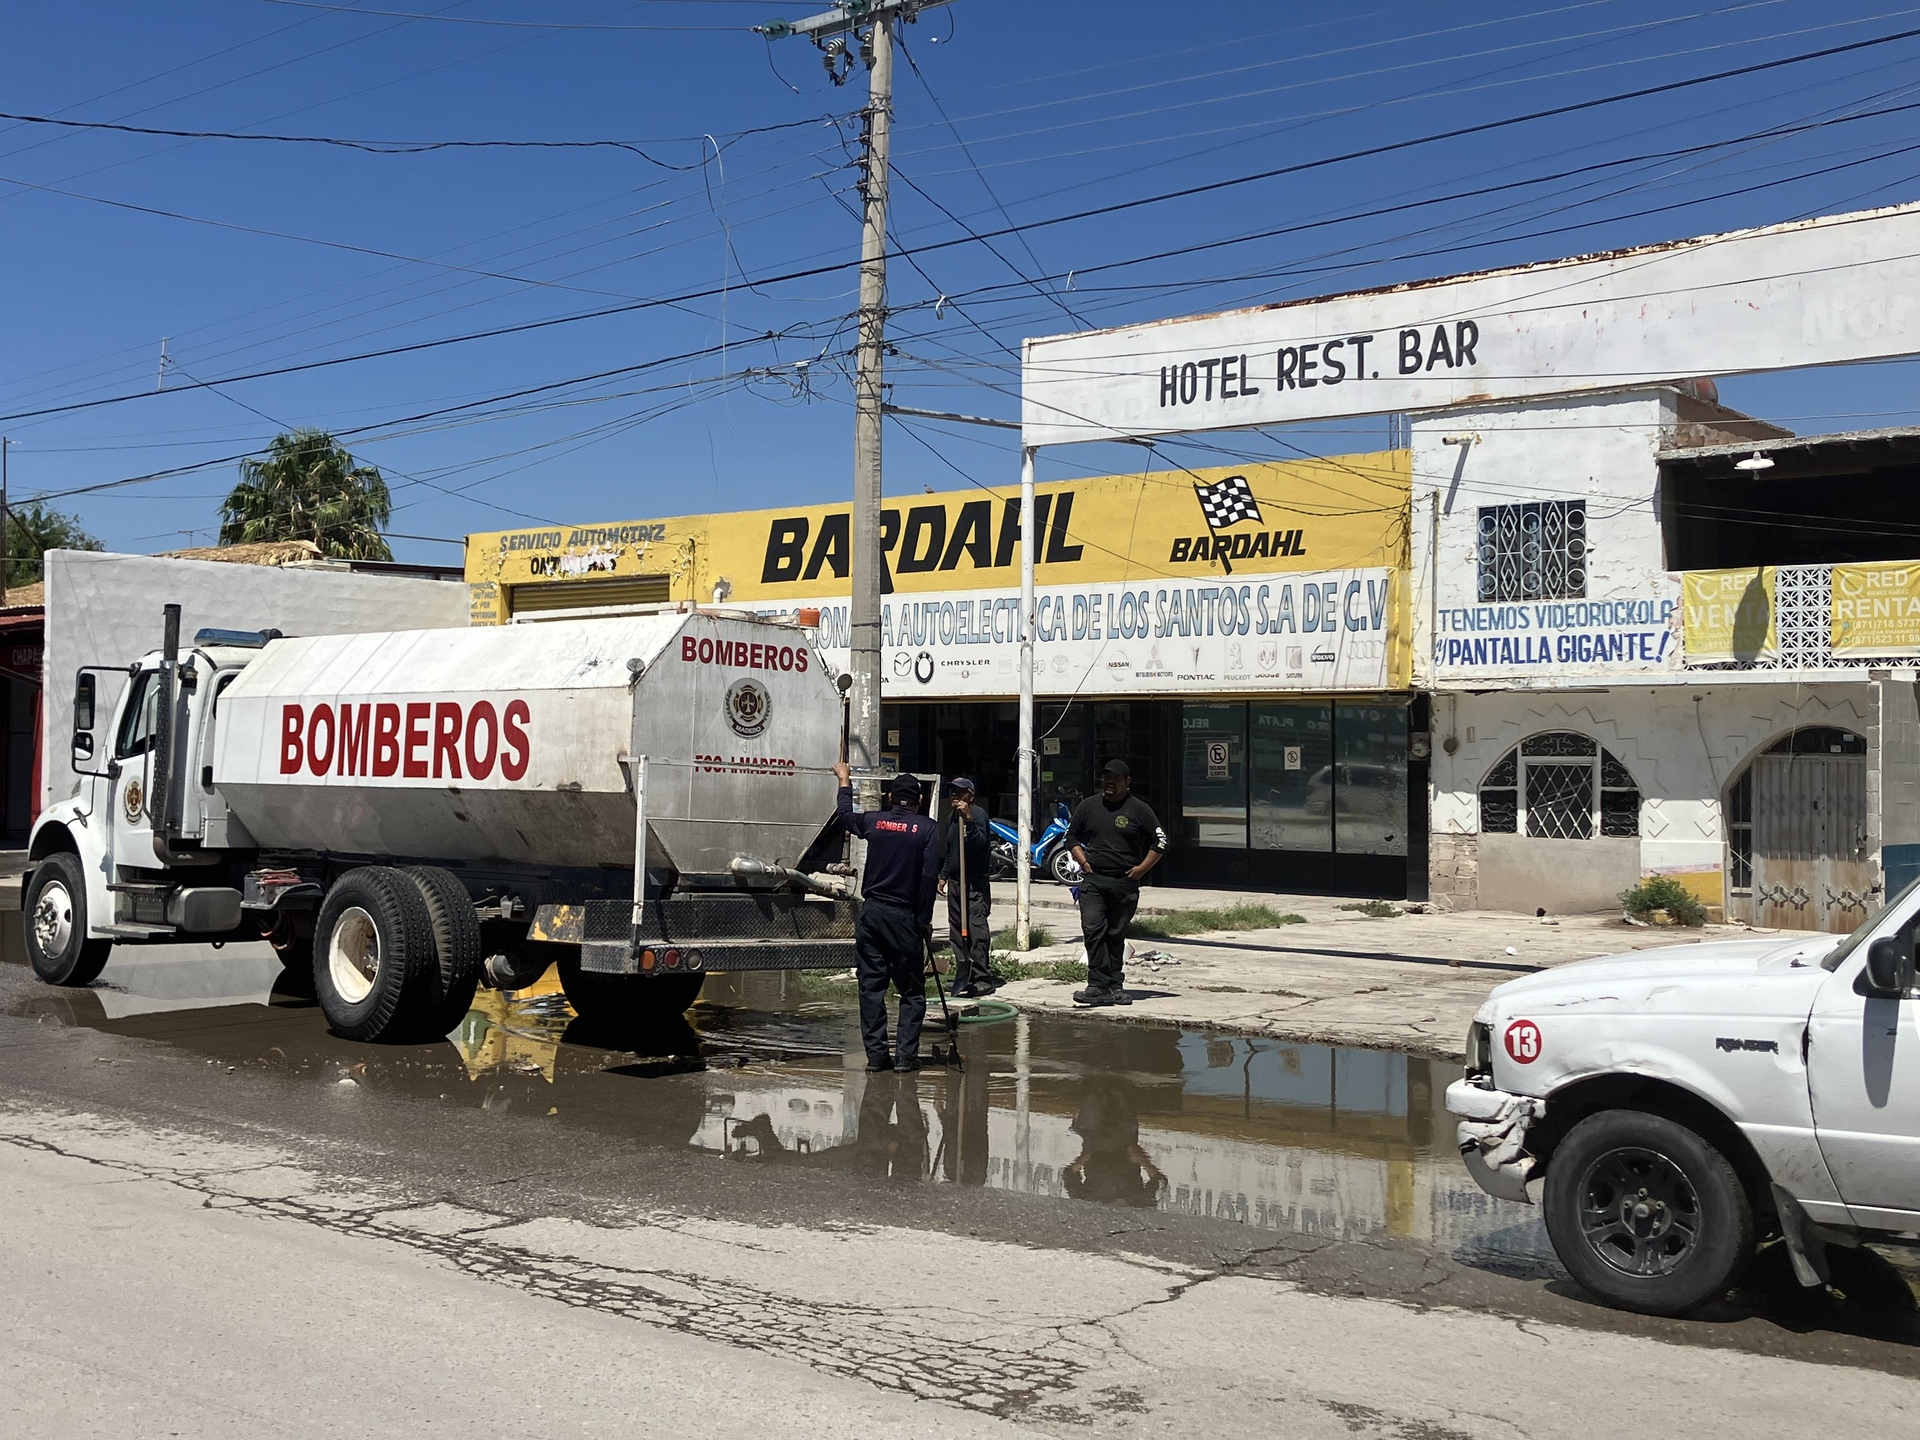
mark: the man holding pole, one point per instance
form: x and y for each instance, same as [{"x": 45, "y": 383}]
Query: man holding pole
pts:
[{"x": 965, "y": 876}]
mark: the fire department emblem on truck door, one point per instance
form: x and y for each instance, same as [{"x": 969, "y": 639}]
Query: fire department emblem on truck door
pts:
[
  {"x": 748, "y": 708},
  {"x": 132, "y": 799}
]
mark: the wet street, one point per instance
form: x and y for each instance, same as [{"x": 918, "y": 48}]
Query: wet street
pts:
[{"x": 977, "y": 1238}]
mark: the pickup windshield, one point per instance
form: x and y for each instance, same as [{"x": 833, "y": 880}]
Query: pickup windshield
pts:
[{"x": 1902, "y": 903}]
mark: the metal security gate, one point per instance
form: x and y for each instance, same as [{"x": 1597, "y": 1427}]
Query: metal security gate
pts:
[{"x": 1811, "y": 866}]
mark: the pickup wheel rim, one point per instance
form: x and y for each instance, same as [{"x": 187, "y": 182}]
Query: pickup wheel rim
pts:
[
  {"x": 53, "y": 919},
  {"x": 1639, "y": 1212},
  {"x": 353, "y": 955}
]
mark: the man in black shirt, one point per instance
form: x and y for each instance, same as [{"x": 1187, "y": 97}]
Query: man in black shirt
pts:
[
  {"x": 1116, "y": 839},
  {"x": 896, "y": 916},
  {"x": 968, "y": 912}
]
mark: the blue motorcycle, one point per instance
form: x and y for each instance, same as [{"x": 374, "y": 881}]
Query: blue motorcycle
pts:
[{"x": 1051, "y": 853}]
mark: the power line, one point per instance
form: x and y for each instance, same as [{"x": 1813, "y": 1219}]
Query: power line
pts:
[
  {"x": 422, "y": 147},
  {"x": 1116, "y": 207}
]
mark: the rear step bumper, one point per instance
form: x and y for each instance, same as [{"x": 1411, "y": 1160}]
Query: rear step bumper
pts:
[{"x": 753, "y": 930}]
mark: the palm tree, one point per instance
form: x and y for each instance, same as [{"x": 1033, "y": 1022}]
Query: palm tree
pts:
[{"x": 309, "y": 488}]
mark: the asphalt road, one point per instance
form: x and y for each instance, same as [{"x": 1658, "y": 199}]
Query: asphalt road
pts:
[{"x": 222, "y": 1220}]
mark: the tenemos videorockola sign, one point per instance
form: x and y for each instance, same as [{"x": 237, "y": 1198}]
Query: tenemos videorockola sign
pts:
[{"x": 1276, "y": 576}]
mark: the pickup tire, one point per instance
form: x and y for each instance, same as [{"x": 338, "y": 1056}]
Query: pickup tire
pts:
[
  {"x": 372, "y": 950},
  {"x": 617, "y": 1006},
  {"x": 445, "y": 991},
  {"x": 1646, "y": 1213},
  {"x": 54, "y": 916}
]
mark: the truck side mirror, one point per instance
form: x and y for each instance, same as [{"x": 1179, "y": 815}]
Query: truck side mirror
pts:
[
  {"x": 82, "y": 744},
  {"x": 83, "y": 707},
  {"x": 1890, "y": 965}
]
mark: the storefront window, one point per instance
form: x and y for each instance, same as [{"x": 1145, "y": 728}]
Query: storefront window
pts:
[
  {"x": 1370, "y": 779},
  {"x": 1290, "y": 764},
  {"x": 1064, "y": 760},
  {"x": 1214, "y": 775},
  {"x": 1559, "y": 786}
]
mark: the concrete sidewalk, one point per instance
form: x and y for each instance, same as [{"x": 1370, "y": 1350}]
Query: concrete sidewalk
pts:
[{"x": 1408, "y": 983}]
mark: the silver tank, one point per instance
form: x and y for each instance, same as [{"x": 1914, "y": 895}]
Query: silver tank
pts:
[{"x": 519, "y": 744}]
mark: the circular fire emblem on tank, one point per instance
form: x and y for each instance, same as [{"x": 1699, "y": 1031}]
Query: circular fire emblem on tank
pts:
[
  {"x": 749, "y": 707},
  {"x": 132, "y": 799}
]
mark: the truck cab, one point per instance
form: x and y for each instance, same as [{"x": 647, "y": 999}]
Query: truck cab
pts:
[
  {"x": 1671, "y": 1109},
  {"x": 146, "y": 849}
]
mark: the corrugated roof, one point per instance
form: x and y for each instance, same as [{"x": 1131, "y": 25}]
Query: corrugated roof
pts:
[
  {"x": 1795, "y": 443},
  {"x": 266, "y": 552}
]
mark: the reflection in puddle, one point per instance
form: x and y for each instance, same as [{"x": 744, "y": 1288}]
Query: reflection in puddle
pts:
[{"x": 1301, "y": 1138}]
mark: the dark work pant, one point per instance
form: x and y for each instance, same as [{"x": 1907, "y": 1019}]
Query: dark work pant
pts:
[
  {"x": 1107, "y": 904},
  {"x": 888, "y": 949},
  {"x": 972, "y": 956}
]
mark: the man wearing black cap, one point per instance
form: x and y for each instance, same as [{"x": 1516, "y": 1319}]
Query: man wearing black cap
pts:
[
  {"x": 967, "y": 912},
  {"x": 1116, "y": 839},
  {"x": 889, "y": 943}
]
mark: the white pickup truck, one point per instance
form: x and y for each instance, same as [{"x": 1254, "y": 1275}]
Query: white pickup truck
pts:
[{"x": 1671, "y": 1109}]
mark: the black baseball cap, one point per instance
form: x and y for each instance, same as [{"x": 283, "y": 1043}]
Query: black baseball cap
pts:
[
  {"x": 960, "y": 782},
  {"x": 904, "y": 787},
  {"x": 1116, "y": 767}
]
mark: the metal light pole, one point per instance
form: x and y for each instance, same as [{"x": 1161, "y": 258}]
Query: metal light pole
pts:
[
  {"x": 1023, "y": 857},
  {"x": 871, "y": 23}
]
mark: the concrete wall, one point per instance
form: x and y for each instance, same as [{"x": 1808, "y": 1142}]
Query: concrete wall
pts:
[
  {"x": 104, "y": 609},
  {"x": 1601, "y": 450},
  {"x": 1898, "y": 761},
  {"x": 1682, "y": 745},
  {"x": 1564, "y": 877}
]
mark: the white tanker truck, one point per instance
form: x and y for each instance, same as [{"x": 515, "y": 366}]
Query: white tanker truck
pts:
[{"x": 639, "y": 799}]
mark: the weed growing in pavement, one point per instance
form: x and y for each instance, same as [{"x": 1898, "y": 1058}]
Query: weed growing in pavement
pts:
[
  {"x": 1164, "y": 924},
  {"x": 1038, "y": 937},
  {"x": 1373, "y": 909},
  {"x": 1225, "y": 989},
  {"x": 1010, "y": 967},
  {"x": 1663, "y": 892}
]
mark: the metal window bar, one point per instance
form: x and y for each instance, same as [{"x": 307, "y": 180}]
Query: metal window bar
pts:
[{"x": 1535, "y": 551}]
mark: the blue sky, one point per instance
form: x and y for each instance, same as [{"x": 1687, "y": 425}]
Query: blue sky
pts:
[{"x": 738, "y": 168}]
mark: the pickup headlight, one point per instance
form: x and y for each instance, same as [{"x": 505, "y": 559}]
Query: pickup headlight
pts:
[{"x": 1479, "y": 1049}]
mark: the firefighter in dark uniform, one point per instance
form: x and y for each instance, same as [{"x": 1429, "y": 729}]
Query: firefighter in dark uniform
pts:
[
  {"x": 973, "y": 969},
  {"x": 896, "y": 918},
  {"x": 1116, "y": 839}
]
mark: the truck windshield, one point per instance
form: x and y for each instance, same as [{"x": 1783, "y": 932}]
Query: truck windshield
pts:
[{"x": 1903, "y": 902}]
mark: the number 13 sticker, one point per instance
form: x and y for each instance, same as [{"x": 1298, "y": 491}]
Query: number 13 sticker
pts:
[{"x": 1523, "y": 1042}]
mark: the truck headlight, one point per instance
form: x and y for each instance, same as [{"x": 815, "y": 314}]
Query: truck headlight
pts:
[{"x": 1479, "y": 1049}]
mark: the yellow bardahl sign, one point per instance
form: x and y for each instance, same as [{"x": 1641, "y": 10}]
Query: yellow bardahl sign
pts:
[{"x": 1346, "y": 512}]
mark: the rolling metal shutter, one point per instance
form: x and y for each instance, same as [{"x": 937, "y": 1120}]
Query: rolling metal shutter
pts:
[{"x": 609, "y": 590}]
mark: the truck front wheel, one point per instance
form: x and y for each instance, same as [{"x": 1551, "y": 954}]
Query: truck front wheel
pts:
[
  {"x": 55, "y": 915},
  {"x": 1646, "y": 1213},
  {"x": 373, "y": 946}
]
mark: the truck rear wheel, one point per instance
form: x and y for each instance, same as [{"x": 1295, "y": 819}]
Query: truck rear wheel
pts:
[
  {"x": 625, "y": 1004},
  {"x": 54, "y": 912},
  {"x": 446, "y": 988},
  {"x": 1646, "y": 1213},
  {"x": 373, "y": 946}
]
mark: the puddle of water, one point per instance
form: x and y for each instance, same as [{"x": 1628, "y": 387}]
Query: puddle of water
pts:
[{"x": 767, "y": 1070}]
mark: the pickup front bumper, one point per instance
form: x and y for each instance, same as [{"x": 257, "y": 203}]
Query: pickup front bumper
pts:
[{"x": 1493, "y": 1136}]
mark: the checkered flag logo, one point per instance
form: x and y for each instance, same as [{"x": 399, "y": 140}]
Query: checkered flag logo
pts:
[{"x": 1228, "y": 502}]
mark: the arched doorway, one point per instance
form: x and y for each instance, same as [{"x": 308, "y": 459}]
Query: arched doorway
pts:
[{"x": 1797, "y": 856}]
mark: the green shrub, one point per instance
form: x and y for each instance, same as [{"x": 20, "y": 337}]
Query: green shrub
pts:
[
  {"x": 1663, "y": 892},
  {"x": 1038, "y": 936},
  {"x": 1010, "y": 967},
  {"x": 1164, "y": 924}
]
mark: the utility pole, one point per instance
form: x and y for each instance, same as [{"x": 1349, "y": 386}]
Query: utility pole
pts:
[
  {"x": 6, "y": 521},
  {"x": 869, "y": 24}
]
